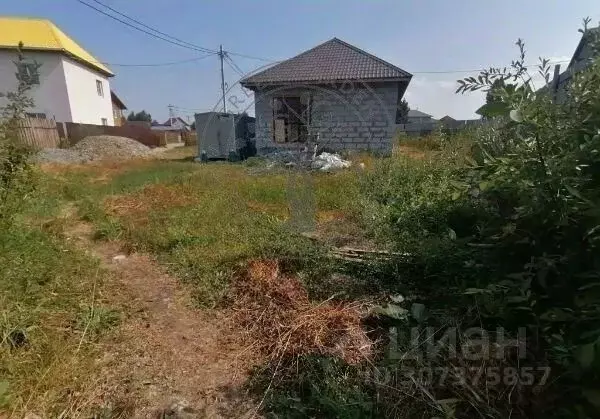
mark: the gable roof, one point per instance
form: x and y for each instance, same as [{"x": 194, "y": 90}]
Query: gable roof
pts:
[
  {"x": 590, "y": 33},
  {"x": 115, "y": 99},
  {"x": 334, "y": 60},
  {"x": 579, "y": 61},
  {"x": 413, "y": 113},
  {"x": 169, "y": 122},
  {"x": 447, "y": 118},
  {"x": 43, "y": 35}
]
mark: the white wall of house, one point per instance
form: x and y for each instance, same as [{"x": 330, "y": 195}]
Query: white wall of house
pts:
[
  {"x": 67, "y": 90},
  {"x": 87, "y": 105},
  {"x": 50, "y": 96}
]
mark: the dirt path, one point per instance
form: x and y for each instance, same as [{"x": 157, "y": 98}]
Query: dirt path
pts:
[{"x": 167, "y": 359}]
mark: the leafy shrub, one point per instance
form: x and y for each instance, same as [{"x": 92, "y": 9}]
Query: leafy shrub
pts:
[
  {"x": 497, "y": 228},
  {"x": 15, "y": 172}
]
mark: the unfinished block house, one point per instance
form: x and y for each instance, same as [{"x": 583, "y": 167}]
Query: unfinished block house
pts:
[{"x": 334, "y": 95}]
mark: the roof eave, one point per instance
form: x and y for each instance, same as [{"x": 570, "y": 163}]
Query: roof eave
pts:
[
  {"x": 65, "y": 53},
  {"x": 115, "y": 99},
  {"x": 256, "y": 85}
]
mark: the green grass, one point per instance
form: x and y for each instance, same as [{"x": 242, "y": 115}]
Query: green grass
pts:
[
  {"x": 228, "y": 213},
  {"x": 45, "y": 286}
]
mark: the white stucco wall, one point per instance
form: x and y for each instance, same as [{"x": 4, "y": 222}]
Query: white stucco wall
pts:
[
  {"x": 87, "y": 107},
  {"x": 50, "y": 96}
]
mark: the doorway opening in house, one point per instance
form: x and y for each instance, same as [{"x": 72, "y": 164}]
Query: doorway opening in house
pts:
[{"x": 291, "y": 118}]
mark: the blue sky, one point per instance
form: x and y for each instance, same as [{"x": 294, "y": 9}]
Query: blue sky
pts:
[{"x": 418, "y": 36}]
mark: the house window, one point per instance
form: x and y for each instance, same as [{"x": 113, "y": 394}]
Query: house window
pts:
[
  {"x": 290, "y": 119},
  {"x": 28, "y": 73},
  {"x": 99, "y": 88},
  {"x": 104, "y": 121}
]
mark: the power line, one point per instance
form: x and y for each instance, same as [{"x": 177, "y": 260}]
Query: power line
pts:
[
  {"x": 253, "y": 57},
  {"x": 189, "y": 109},
  {"x": 143, "y": 30},
  {"x": 157, "y": 64},
  {"x": 234, "y": 66},
  {"x": 479, "y": 69},
  {"x": 151, "y": 28}
]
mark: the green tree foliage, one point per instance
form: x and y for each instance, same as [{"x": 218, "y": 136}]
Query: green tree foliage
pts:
[
  {"x": 512, "y": 239},
  {"x": 139, "y": 116},
  {"x": 15, "y": 171},
  {"x": 402, "y": 112}
]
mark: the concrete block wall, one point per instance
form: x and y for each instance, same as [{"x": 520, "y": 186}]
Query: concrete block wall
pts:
[{"x": 348, "y": 116}]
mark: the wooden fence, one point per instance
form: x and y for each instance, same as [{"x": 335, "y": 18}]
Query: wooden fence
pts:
[
  {"x": 38, "y": 133},
  {"x": 73, "y": 133}
]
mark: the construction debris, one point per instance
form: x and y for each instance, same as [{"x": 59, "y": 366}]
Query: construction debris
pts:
[
  {"x": 93, "y": 148},
  {"x": 306, "y": 159},
  {"x": 327, "y": 162}
]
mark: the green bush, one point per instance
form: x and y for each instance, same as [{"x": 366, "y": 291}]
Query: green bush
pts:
[{"x": 511, "y": 238}]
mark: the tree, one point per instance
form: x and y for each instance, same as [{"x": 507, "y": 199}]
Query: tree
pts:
[
  {"x": 139, "y": 116},
  {"x": 16, "y": 175},
  {"x": 492, "y": 94},
  {"x": 402, "y": 112}
]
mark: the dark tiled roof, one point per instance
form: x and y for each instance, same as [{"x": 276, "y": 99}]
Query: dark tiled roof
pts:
[
  {"x": 334, "y": 60},
  {"x": 169, "y": 122},
  {"x": 414, "y": 113}
]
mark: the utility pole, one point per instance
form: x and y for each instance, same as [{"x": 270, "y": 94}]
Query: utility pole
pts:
[
  {"x": 171, "y": 112},
  {"x": 222, "y": 56}
]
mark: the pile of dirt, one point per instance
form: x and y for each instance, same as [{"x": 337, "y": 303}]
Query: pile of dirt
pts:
[
  {"x": 277, "y": 313},
  {"x": 93, "y": 148}
]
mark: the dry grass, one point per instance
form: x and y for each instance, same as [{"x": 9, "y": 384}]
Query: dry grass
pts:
[
  {"x": 275, "y": 309},
  {"x": 156, "y": 197},
  {"x": 277, "y": 210},
  {"x": 409, "y": 151}
]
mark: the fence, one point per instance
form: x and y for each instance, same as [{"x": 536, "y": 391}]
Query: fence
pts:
[
  {"x": 417, "y": 128},
  {"x": 76, "y": 132},
  {"x": 38, "y": 133},
  {"x": 424, "y": 128}
]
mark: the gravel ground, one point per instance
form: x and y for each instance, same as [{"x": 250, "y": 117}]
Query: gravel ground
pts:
[{"x": 99, "y": 147}]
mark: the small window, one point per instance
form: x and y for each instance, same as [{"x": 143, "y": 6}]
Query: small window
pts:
[
  {"x": 291, "y": 117},
  {"x": 104, "y": 121},
  {"x": 99, "y": 88},
  {"x": 28, "y": 73}
]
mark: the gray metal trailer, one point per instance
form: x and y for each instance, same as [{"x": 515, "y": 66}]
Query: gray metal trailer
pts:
[{"x": 221, "y": 134}]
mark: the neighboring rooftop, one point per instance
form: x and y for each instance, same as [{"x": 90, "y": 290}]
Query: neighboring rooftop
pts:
[
  {"x": 43, "y": 35},
  {"x": 169, "y": 122},
  {"x": 115, "y": 99},
  {"x": 447, "y": 118},
  {"x": 334, "y": 60},
  {"x": 582, "y": 57},
  {"x": 413, "y": 113}
]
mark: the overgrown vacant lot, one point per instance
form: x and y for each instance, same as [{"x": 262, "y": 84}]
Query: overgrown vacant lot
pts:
[
  {"x": 66, "y": 307},
  {"x": 398, "y": 288}
]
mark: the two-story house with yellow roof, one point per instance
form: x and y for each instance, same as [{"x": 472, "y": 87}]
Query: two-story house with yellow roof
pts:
[{"x": 69, "y": 86}]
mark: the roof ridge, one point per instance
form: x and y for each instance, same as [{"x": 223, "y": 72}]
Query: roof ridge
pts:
[
  {"x": 368, "y": 54},
  {"x": 294, "y": 57},
  {"x": 349, "y": 51}
]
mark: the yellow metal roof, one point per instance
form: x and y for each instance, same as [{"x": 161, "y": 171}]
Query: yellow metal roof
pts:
[{"x": 43, "y": 35}]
